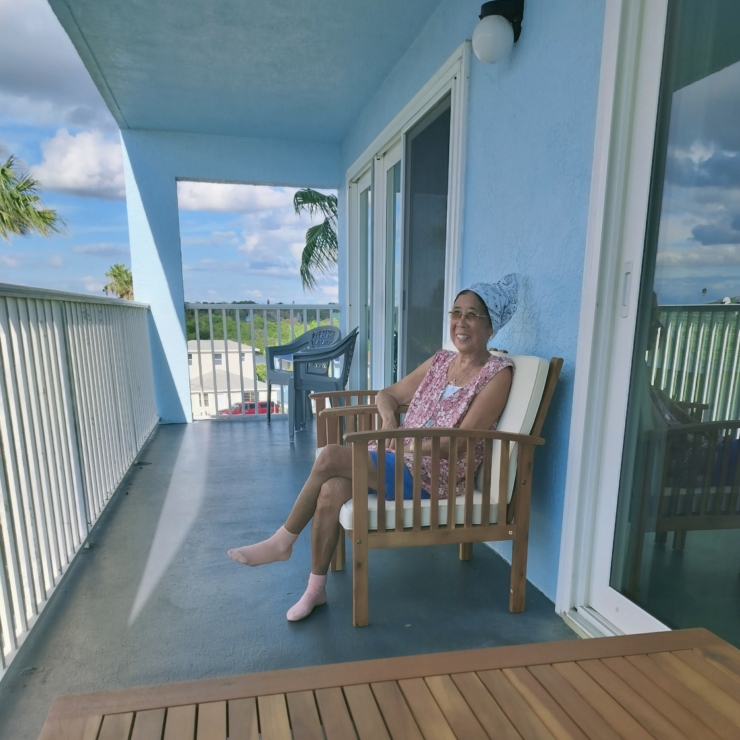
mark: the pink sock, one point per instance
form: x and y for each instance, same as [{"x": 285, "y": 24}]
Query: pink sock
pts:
[
  {"x": 315, "y": 594},
  {"x": 278, "y": 547}
]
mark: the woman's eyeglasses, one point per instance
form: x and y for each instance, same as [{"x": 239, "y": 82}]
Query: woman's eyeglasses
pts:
[{"x": 456, "y": 314}]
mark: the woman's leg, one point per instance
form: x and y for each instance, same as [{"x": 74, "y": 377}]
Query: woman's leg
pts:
[
  {"x": 325, "y": 528},
  {"x": 335, "y": 461},
  {"x": 324, "y": 536}
]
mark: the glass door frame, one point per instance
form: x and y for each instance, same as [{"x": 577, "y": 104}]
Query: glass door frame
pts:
[
  {"x": 363, "y": 277},
  {"x": 452, "y": 78},
  {"x": 384, "y": 252},
  {"x": 632, "y": 60}
]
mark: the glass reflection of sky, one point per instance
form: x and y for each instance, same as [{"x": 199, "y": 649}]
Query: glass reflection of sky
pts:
[{"x": 699, "y": 241}]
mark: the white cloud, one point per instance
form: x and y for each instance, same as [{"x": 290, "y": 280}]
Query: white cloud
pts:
[
  {"x": 727, "y": 254},
  {"x": 86, "y": 164},
  {"x": 8, "y": 261},
  {"x": 92, "y": 284},
  {"x": 330, "y": 293},
  {"x": 56, "y": 260},
  {"x": 102, "y": 249},
  {"x": 42, "y": 79},
  {"x": 231, "y": 198}
]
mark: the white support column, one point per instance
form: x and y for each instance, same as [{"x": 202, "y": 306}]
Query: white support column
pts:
[{"x": 156, "y": 263}]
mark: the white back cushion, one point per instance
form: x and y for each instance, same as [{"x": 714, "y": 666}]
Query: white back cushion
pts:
[{"x": 528, "y": 385}]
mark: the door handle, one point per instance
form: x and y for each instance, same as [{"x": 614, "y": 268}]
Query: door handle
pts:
[{"x": 624, "y": 307}]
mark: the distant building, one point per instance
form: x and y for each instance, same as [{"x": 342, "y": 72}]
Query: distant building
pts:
[{"x": 222, "y": 374}]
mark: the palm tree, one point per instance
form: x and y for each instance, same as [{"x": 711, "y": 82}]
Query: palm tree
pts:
[
  {"x": 121, "y": 282},
  {"x": 321, "y": 252},
  {"x": 21, "y": 210}
]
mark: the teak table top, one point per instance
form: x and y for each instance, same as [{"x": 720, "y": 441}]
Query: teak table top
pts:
[{"x": 683, "y": 685}]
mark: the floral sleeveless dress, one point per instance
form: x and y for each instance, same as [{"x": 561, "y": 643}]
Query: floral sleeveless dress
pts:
[{"x": 428, "y": 410}]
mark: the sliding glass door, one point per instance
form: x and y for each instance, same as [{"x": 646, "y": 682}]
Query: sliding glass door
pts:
[
  {"x": 673, "y": 552},
  {"x": 405, "y": 196}
]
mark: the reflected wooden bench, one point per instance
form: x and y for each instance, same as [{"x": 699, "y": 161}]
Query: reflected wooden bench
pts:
[{"x": 683, "y": 684}]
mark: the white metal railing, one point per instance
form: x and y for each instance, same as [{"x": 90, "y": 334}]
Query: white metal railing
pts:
[
  {"x": 76, "y": 406},
  {"x": 226, "y": 349},
  {"x": 697, "y": 357}
]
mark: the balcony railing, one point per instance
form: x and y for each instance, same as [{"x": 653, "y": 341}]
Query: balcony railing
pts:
[
  {"x": 226, "y": 353},
  {"x": 76, "y": 406},
  {"x": 697, "y": 357}
]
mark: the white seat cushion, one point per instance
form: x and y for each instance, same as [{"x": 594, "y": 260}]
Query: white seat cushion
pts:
[{"x": 345, "y": 514}]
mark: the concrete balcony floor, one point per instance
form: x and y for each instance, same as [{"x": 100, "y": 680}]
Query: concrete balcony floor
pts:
[{"x": 157, "y": 600}]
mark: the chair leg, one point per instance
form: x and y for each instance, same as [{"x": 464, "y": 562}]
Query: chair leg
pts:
[
  {"x": 269, "y": 397},
  {"x": 518, "y": 588},
  {"x": 337, "y": 559},
  {"x": 359, "y": 584},
  {"x": 679, "y": 539},
  {"x": 466, "y": 551},
  {"x": 291, "y": 409}
]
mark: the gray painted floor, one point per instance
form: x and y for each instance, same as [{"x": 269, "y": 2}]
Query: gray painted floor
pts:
[
  {"x": 698, "y": 586},
  {"x": 156, "y": 599}
]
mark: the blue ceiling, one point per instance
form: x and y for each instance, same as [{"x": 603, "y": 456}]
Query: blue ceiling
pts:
[{"x": 277, "y": 68}]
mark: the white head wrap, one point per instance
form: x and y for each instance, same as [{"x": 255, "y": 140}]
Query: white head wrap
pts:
[{"x": 501, "y": 298}]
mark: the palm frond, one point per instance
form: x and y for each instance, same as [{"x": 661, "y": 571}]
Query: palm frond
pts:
[
  {"x": 121, "y": 282},
  {"x": 21, "y": 210},
  {"x": 320, "y": 254},
  {"x": 314, "y": 202}
]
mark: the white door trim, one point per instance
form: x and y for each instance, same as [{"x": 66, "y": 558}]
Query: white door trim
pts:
[
  {"x": 353, "y": 265},
  {"x": 632, "y": 55}
]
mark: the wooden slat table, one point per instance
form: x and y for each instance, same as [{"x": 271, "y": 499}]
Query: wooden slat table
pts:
[{"x": 682, "y": 685}]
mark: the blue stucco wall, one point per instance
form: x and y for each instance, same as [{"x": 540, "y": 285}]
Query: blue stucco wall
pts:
[
  {"x": 153, "y": 162},
  {"x": 530, "y": 144}
]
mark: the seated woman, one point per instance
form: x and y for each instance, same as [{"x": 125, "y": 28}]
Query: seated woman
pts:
[{"x": 467, "y": 389}]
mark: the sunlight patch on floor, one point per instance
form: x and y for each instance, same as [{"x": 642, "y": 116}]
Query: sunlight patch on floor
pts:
[{"x": 179, "y": 513}]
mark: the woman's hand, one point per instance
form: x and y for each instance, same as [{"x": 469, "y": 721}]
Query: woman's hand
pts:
[{"x": 390, "y": 423}]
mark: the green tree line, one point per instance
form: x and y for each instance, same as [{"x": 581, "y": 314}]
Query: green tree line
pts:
[{"x": 204, "y": 327}]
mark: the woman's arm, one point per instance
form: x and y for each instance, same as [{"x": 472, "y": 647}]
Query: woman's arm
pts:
[{"x": 399, "y": 394}]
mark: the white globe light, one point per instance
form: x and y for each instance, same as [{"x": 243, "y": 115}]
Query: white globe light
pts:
[{"x": 493, "y": 39}]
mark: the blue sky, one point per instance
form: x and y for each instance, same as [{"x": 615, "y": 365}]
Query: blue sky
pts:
[
  {"x": 699, "y": 242},
  {"x": 238, "y": 241}
]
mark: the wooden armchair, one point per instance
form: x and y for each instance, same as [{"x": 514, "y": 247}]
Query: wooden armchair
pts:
[
  {"x": 692, "y": 480},
  {"x": 494, "y": 505}
]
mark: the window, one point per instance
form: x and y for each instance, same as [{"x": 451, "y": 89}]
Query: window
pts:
[
  {"x": 243, "y": 356},
  {"x": 190, "y": 358},
  {"x": 218, "y": 358},
  {"x": 205, "y": 398}
]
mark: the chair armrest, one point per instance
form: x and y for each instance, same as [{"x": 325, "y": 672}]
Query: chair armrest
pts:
[
  {"x": 377, "y": 435},
  {"x": 317, "y": 354},
  {"x": 692, "y": 405},
  {"x": 369, "y": 408},
  {"x": 701, "y": 427},
  {"x": 280, "y": 350},
  {"x": 340, "y": 395}
]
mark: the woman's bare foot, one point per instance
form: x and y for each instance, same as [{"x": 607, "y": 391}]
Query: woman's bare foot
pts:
[
  {"x": 277, "y": 548},
  {"x": 314, "y": 595}
]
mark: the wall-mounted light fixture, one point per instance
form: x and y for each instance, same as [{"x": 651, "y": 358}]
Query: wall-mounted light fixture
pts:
[{"x": 499, "y": 27}]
